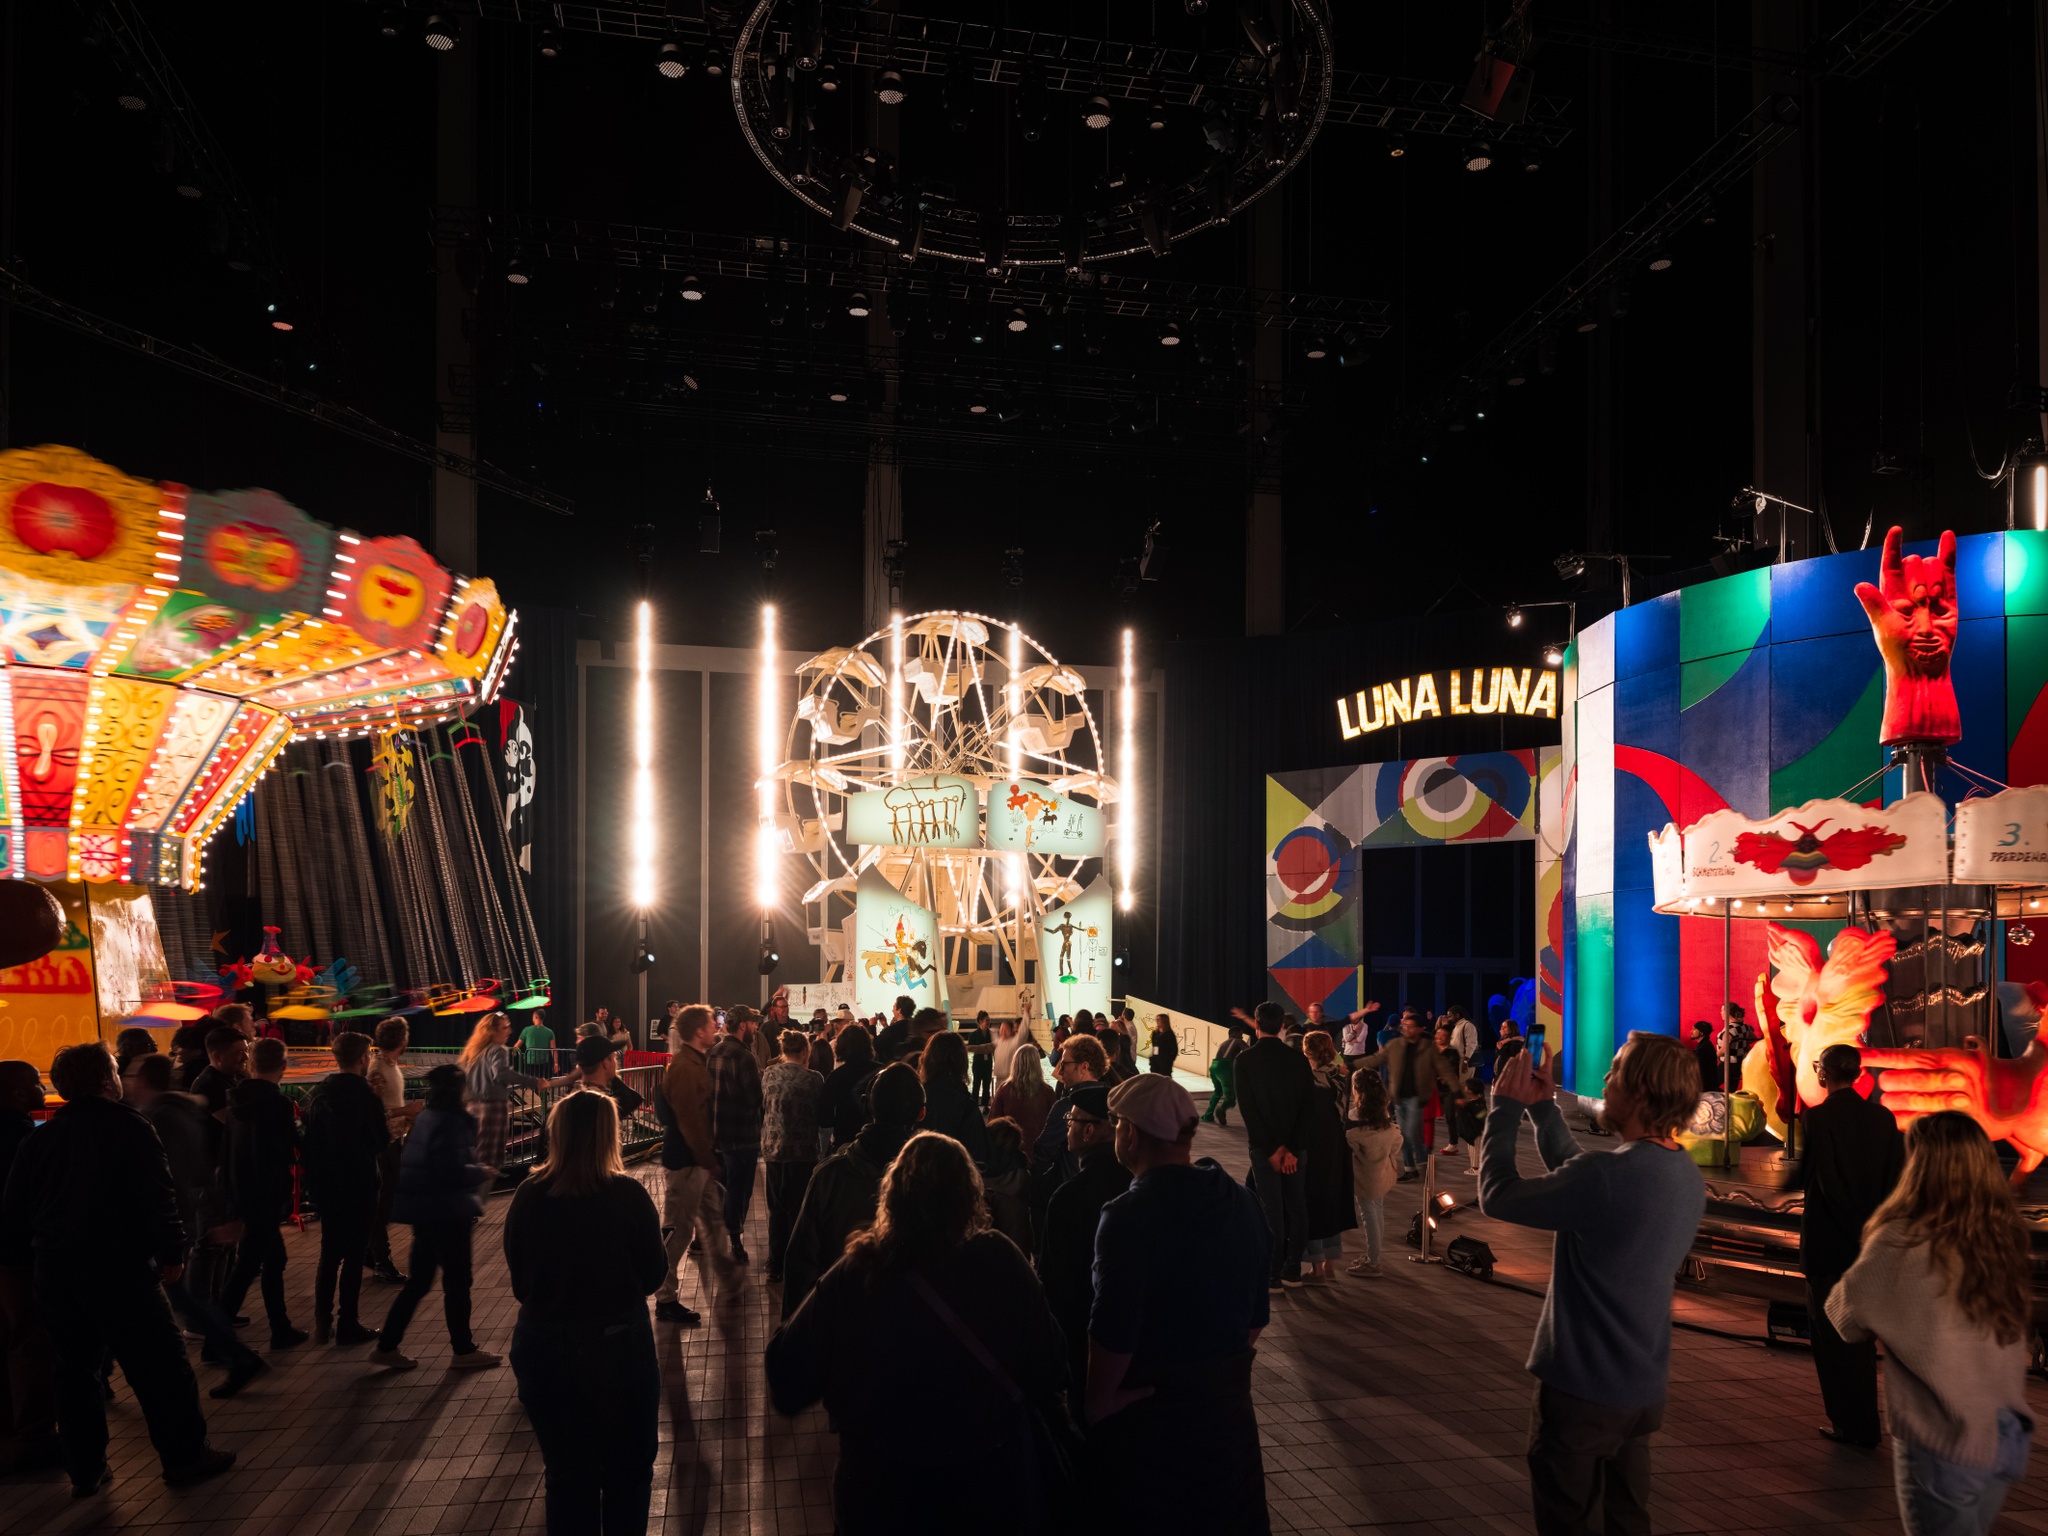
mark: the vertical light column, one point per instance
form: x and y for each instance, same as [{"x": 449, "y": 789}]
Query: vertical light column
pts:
[
  {"x": 767, "y": 753},
  {"x": 1013, "y": 750},
  {"x": 896, "y": 692},
  {"x": 1127, "y": 776},
  {"x": 2040, "y": 486},
  {"x": 643, "y": 839}
]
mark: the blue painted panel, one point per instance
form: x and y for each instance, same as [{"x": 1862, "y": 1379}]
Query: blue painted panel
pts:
[
  {"x": 1645, "y": 971},
  {"x": 1646, "y": 636},
  {"x": 1980, "y": 573},
  {"x": 1818, "y": 597},
  {"x": 1978, "y": 668},
  {"x": 1814, "y": 685},
  {"x": 1637, "y": 813},
  {"x": 1722, "y": 737}
]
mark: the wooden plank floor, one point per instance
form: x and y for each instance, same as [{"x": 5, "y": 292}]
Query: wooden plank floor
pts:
[{"x": 1396, "y": 1405}]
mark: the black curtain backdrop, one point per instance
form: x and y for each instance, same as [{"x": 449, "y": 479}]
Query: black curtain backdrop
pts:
[
  {"x": 543, "y": 678},
  {"x": 1237, "y": 710}
]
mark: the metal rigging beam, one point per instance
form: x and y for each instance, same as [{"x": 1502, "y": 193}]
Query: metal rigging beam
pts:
[{"x": 30, "y": 300}]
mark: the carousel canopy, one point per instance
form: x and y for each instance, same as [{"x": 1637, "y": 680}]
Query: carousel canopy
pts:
[{"x": 159, "y": 646}]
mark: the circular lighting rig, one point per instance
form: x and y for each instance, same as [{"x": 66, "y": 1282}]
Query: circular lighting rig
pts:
[{"x": 1236, "y": 121}]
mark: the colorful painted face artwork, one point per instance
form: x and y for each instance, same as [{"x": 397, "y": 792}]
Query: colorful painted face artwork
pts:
[{"x": 157, "y": 648}]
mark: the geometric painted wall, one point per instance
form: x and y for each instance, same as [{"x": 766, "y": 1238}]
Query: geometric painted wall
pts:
[
  {"x": 1757, "y": 691},
  {"x": 1318, "y": 820}
]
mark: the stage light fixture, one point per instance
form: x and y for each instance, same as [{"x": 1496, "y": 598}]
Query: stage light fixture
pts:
[
  {"x": 766, "y": 723},
  {"x": 1570, "y": 567},
  {"x": 770, "y": 958},
  {"x": 1169, "y": 334},
  {"x": 132, "y": 101},
  {"x": 1587, "y": 326},
  {"x": 1019, "y": 320},
  {"x": 441, "y": 33},
  {"x": 1127, "y": 774},
  {"x": 669, "y": 62},
  {"x": 1553, "y": 655},
  {"x": 643, "y": 840},
  {"x": 516, "y": 272},
  {"x": 548, "y": 43},
  {"x": 692, "y": 289},
  {"x": 809, "y": 40},
  {"x": 828, "y": 77},
  {"x": 1155, "y": 111},
  {"x": 1198, "y": 7},
  {"x": 1317, "y": 349},
  {"x": 889, "y": 88},
  {"x": 1518, "y": 374},
  {"x": 857, "y": 305},
  {"x": 1469, "y": 1256},
  {"x": 1096, "y": 111},
  {"x": 1531, "y": 161},
  {"x": 956, "y": 92},
  {"x": 1660, "y": 259},
  {"x": 1397, "y": 146},
  {"x": 643, "y": 960},
  {"x": 977, "y": 404},
  {"x": 1479, "y": 155},
  {"x": 390, "y": 21},
  {"x": 1031, "y": 103},
  {"x": 1514, "y": 618}
]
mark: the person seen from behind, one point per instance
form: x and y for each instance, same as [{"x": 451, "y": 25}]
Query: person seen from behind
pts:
[
  {"x": 1331, "y": 1209},
  {"x": 1625, "y": 1220},
  {"x": 1945, "y": 1280},
  {"x": 928, "y": 1306},
  {"x": 438, "y": 1179},
  {"x": 948, "y": 1104},
  {"x": 346, "y": 1133},
  {"x": 1277, "y": 1094},
  {"x": 256, "y": 1163},
  {"x": 1223, "y": 1074},
  {"x": 692, "y": 1205},
  {"x": 386, "y": 1077},
  {"x": 844, "y": 1190},
  {"x": 583, "y": 1245},
  {"x": 1024, "y": 1095},
  {"x": 842, "y": 1107},
  {"x": 1006, "y": 1183},
  {"x": 790, "y": 1091},
  {"x": 1181, "y": 1262},
  {"x": 734, "y": 1064},
  {"x": 1375, "y": 1143},
  {"x": 1066, "y": 1243}
]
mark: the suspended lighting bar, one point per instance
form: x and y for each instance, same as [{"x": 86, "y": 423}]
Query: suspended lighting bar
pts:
[
  {"x": 764, "y": 837},
  {"x": 1127, "y": 777},
  {"x": 642, "y": 838},
  {"x": 2040, "y": 479}
]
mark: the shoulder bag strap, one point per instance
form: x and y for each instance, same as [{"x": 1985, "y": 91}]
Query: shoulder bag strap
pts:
[{"x": 964, "y": 1334}]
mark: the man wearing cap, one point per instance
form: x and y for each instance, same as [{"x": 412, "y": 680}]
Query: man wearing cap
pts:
[
  {"x": 1066, "y": 1244},
  {"x": 597, "y": 1066},
  {"x": 1181, "y": 1261}
]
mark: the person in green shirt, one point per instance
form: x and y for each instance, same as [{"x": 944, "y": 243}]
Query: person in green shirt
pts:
[{"x": 537, "y": 1041}]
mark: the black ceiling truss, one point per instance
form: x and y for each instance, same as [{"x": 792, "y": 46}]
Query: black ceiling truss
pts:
[
  {"x": 1358, "y": 98},
  {"x": 808, "y": 269},
  {"x": 1586, "y": 297},
  {"x": 1848, "y": 53}
]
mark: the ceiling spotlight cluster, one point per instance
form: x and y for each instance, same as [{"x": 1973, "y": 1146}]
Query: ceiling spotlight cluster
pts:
[{"x": 988, "y": 119}]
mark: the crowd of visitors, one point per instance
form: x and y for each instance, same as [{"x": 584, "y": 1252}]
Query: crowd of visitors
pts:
[{"x": 1047, "y": 1259}]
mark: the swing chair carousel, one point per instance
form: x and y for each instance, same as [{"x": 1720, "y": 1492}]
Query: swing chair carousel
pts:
[{"x": 896, "y": 745}]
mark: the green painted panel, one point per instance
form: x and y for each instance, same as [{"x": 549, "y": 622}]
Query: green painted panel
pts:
[
  {"x": 2026, "y": 670},
  {"x": 1716, "y": 618},
  {"x": 1592, "y": 984},
  {"x": 1847, "y": 753},
  {"x": 1698, "y": 679},
  {"x": 2026, "y": 571}
]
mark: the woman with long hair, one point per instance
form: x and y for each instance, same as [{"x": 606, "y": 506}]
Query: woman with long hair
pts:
[
  {"x": 488, "y": 1080},
  {"x": 927, "y": 1306},
  {"x": 1331, "y": 1211},
  {"x": 949, "y": 1106},
  {"x": 1024, "y": 1095},
  {"x": 583, "y": 1244},
  {"x": 843, "y": 1106},
  {"x": 1945, "y": 1279},
  {"x": 438, "y": 1177},
  {"x": 1375, "y": 1143}
]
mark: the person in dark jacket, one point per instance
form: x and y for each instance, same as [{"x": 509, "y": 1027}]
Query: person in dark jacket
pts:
[
  {"x": 841, "y": 1196},
  {"x": 843, "y": 1106},
  {"x": 1180, "y": 1261},
  {"x": 1854, "y": 1155},
  {"x": 1066, "y": 1248},
  {"x": 186, "y": 1131},
  {"x": 346, "y": 1133},
  {"x": 262, "y": 1142},
  {"x": 926, "y": 1307},
  {"x": 1276, "y": 1095},
  {"x": 1052, "y": 1164},
  {"x": 583, "y": 1244},
  {"x": 89, "y": 1202},
  {"x": 736, "y": 1112},
  {"x": 28, "y": 1368},
  {"x": 438, "y": 1179},
  {"x": 896, "y": 1038},
  {"x": 1165, "y": 1044},
  {"x": 949, "y": 1106}
]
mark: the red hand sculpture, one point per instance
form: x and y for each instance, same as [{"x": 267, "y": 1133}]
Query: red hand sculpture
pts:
[
  {"x": 2008, "y": 1098},
  {"x": 1913, "y": 615}
]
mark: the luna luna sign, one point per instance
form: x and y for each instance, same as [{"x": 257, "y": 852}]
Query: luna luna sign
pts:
[{"x": 1474, "y": 691}]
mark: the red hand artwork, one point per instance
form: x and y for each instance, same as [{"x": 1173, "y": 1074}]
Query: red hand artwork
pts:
[
  {"x": 1913, "y": 615},
  {"x": 2008, "y": 1098}
]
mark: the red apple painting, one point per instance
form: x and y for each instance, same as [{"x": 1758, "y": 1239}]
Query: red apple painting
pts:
[{"x": 63, "y": 519}]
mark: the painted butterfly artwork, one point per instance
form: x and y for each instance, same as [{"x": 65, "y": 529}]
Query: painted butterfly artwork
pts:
[{"x": 1803, "y": 857}]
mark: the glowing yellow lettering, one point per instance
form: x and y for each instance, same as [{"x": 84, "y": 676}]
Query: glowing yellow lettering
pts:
[
  {"x": 1344, "y": 722},
  {"x": 1379, "y": 714},
  {"x": 1512, "y": 691},
  {"x": 1492, "y": 701},
  {"x": 1543, "y": 701},
  {"x": 1397, "y": 701},
  {"x": 1425, "y": 696},
  {"x": 1456, "y": 707}
]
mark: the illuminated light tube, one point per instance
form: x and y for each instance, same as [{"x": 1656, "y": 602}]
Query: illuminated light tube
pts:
[
  {"x": 896, "y": 692},
  {"x": 764, "y": 835},
  {"x": 641, "y": 836},
  {"x": 2041, "y": 496},
  {"x": 1127, "y": 778},
  {"x": 1013, "y": 744}
]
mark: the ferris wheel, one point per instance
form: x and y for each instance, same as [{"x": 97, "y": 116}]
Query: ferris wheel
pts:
[{"x": 895, "y": 745}]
